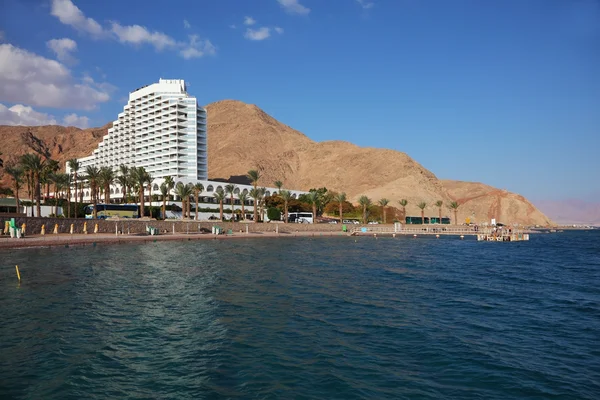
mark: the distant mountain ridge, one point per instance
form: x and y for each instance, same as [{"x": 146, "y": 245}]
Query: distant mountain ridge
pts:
[
  {"x": 242, "y": 136},
  {"x": 572, "y": 211}
]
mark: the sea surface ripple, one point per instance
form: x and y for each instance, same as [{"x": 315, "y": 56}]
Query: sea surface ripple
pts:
[{"x": 304, "y": 318}]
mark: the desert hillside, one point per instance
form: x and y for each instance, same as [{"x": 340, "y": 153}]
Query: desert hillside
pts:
[{"x": 241, "y": 137}]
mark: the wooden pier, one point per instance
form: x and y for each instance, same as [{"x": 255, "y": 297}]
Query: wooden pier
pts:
[{"x": 482, "y": 233}]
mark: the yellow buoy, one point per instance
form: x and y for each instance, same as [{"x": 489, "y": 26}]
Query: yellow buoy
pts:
[
  {"x": 18, "y": 274},
  {"x": 23, "y": 229},
  {"x": 71, "y": 229},
  {"x": 55, "y": 229},
  {"x": 85, "y": 227},
  {"x": 96, "y": 228},
  {"x": 6, "y": 227},
  {"x": 43, "y": 232}
]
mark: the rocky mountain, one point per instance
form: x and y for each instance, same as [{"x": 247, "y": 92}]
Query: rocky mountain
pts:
[{"x": 242, "y": 137}]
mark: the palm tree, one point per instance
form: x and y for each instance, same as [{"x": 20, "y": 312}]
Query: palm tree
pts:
[
  {"x": 140, "y": 177},
  {"x": 74, "y": 166},
  {"x": 340, "y": 198},
  {"x": 254, "y": 176},
  {"x": 286, "y": 195},
  {"x": 164, "y": 192},
  {"x": 365, "y": 202},
  {"x": 184, "y": 192},
  {"x": 278, "y": 185},
  {"x": 313, "y": 198},
  {"x": 439, "y": 205},
  {"x": 26, "y": 162},
  {"x": 169, "y": 182},
  {"x": 61, "y": 182},
  {"x": 16, "y": 173},
  {"x": 230, "y": 190},
  {"x": 33, "y": 166},
  {"x": 107, "y": 178},
  {"x": 220, "y": 196},
  {"x": 383, "y": 202},
  {"x": 50, "y": 167},
  {"x": 148, "y": 179},
  {"x": 454, "y": 206},
  {"x": 123, "y": 180},
  {"x": 198, "y": 188},
  {"x": 255, "y": 194},
  {"x": 93, "y": 177},
  {"x": 243, "y": 196},
  {"x": 261, "y": 202},
  {"x": 422, "y": 206},
  {"x": 403, "y": 204}
]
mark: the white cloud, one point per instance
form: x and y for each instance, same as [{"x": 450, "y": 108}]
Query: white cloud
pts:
[
  {"x": 232, "y": 26},
  {"x": 197, "y": 47},
  {"x": 278, "y": 30},
  {"x": 69, "y": 14},
  {"x": 24, "y": 115},
  {"x": 257, "y": 34},
  {"x": 249, "y": 21},
  {"x": 294, "y": 7},
  {"x": 63, "y": 49},
  {"x": 28, "y": 78},
  {"x": 186, "y": 24},
  {"x": 136, "y": 35},
  {"x": 76, "y": 120},
  {"x": 365, "y": 4}
]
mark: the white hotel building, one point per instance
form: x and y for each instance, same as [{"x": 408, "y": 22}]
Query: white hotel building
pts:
[{"x": 163, "y": 129}]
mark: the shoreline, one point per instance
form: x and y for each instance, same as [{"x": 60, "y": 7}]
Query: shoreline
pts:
[{"x": 67, "y": 240}]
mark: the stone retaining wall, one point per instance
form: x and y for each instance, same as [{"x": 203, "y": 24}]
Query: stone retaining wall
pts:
[{"x": 34, "y": 226}]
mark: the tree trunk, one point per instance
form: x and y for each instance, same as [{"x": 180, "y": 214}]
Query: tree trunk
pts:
[
  {"x": 38, "y": 195},
  {"x": 17, "y": 196},
  {"x": 76, "y": 188},
  {"x": 440, "y": 215},
  {"x": 221, "y": 210},
  {"x": 422, "y": 217},
  {"x": 94, "y": 201},
  {"x": 164, "y": 208},
  {"x": 341, "y": 211},
  {"x": 383, "y": 212},
  {"x": 142, "y": 201},
  {"x": 455, "y": 217},
  {"x": 196, "y": 206},
  {"x": 364, "y": 214},
  {"x": 314, "y": 207},
  {"x": 285, "y": 216},
  {"x": 55, "y": 201},
  {"x": 69, "y": 202}
]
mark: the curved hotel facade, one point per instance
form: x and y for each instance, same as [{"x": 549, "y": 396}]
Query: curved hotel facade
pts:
[{"x": 163, "y": 129}]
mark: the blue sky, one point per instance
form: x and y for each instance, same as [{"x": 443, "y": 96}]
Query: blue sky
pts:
[{"x": 502, "y": 92}]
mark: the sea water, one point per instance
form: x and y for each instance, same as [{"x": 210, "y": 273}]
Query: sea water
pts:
[{"x": 304, "y": 318}]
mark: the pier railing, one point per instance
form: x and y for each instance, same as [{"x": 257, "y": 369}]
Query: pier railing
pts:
[{"x": 423, "y": 230}]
